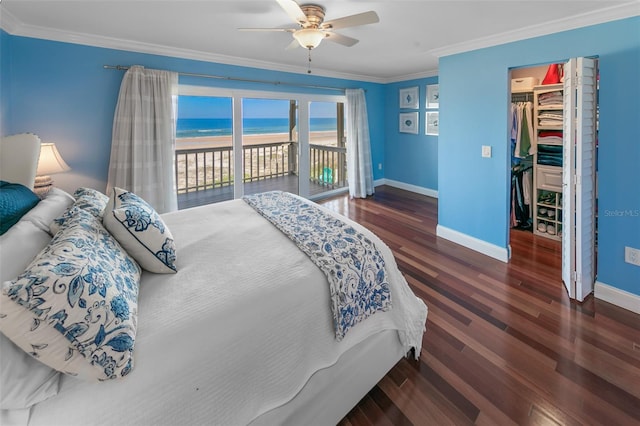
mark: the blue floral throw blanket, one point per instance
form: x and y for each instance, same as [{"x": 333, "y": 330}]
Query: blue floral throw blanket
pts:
[{"x": 355, "y": 269}]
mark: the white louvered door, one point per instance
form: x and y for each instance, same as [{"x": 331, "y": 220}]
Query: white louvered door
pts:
[{"x": 578, "y": 176}]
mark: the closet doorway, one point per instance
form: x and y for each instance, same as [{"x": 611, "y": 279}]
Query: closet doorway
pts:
[{"x": 553, "y": 146}]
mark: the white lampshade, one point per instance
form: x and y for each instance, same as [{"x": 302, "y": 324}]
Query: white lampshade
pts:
[
  {"x": 50, "y": 161},
  {"x": 309, "y": 38}
]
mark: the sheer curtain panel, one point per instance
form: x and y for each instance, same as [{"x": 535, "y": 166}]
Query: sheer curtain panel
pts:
[
  {"x": 359, "y": 169},
  {"x": 143, "y": 140}
]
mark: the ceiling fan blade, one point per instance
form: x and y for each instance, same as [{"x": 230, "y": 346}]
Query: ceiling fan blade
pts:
[
  {"x": 352, "y": 21},
  {"x": 293, "y": 10},
  {"x": 341, "y": 39},
  {"x": 289, "y": 30}
]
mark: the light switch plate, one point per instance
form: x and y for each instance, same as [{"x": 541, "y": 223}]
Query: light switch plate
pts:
[{"x": 486, "y": 151}]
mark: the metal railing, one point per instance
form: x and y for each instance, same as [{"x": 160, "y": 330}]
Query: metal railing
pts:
[{"x": 210, "y": 168}]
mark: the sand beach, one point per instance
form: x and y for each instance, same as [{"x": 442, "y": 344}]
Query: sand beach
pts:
[{"x": 317, "y": 138}]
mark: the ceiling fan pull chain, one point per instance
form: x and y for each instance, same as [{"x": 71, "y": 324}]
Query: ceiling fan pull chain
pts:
[{"x": 309, "y": 69}]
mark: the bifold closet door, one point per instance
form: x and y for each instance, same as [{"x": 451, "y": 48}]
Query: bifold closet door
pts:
[{"x": 578, "y": 176}]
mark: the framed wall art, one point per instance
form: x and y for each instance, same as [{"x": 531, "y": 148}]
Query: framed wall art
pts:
[
  {"x": 409, "y": 122},
  {"x": 433, "y": 96},
  {"x": 431, "y": 121},
  {"x": 409, "y": 97}
]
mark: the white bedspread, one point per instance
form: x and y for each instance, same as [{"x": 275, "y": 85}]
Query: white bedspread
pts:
[{"x": 235, "y": 333}]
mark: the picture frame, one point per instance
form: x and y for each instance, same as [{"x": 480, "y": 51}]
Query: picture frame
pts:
[
  {"x": 432, "y": 123},
  {"x": 433, "y": 96},
  {"x": 410, "y": 97},
  {"x": 409, "y": 122}
]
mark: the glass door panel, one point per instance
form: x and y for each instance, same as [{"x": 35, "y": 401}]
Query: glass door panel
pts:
[
  {"x": 269, "y": 145},
  {"x": 327, "y": 147},
  {"x": 204, "y": 152}
]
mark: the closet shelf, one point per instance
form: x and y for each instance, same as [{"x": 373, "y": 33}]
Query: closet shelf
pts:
[
  {"x": 549, "y": 128},
  {"x": 547, "y": 206},
  {"x": 550, "y": 107},
  {"x": 549, "y": 143}
]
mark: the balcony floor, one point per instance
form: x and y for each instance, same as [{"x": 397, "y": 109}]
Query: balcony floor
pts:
[{"x": 284, "y": 183}]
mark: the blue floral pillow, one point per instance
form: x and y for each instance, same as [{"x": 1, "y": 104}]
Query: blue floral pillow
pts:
[
  {"x": 88, "y": 199},
  {"x": 141, "y": 231},
  {"x": 75, "y": 306}
]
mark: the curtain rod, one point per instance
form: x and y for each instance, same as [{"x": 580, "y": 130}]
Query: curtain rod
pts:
[{"x": 246, "y": 80}]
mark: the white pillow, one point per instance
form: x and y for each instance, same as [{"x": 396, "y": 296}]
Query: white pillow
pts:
[
  {"x": 25, "y": 381},
  {"x": 141, "y": 231},
  {"x": 75, "y": 306},
  {"x": 18, "y": 246},
  {"x": 53, "y": 205}
]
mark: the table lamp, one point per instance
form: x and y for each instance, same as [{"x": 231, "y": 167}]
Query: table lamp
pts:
[{"x": 50, "y": 162}]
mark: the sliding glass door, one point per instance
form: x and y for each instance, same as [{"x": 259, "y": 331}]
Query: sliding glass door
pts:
[
  {"x": 327, "y": 148},
  {"x": 269, "y": 145},
  {"x": 204, "y": 157},
  {"x": 231, "y": 143}
]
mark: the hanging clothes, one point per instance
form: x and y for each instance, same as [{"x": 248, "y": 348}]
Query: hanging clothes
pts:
[
  {"x": 521, "y": 131},
  {"x": 521, "y": 196}
]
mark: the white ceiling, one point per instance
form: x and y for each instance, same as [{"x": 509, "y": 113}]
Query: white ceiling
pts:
[{"x": 405, "y": 43}]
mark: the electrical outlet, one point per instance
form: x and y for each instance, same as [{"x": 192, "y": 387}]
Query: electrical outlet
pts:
[
  {"x": 632, "y": 255},
  {"x": 486, "y": 151},
  {"x": 379, "y": 166}
]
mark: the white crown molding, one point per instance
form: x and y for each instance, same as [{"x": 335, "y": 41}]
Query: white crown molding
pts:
[
  {"x": 8, "y": 22},
  {"x": 416, "y": 76},
  {"x": 14, "y": 27},
  {"x": 599, "y": 16}
]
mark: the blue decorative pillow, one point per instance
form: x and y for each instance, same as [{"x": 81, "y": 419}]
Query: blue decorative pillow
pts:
[
  {"x": 88, "y": 199},
  {"x": 141, "y": 231},
  {"x": 15, "y": 201},
  {"x": 75, "y": 306},
  {"x": 91, "y": 200}
]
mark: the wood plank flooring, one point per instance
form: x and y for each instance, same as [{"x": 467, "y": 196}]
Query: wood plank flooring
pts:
[{"x": 504, "y": 345}]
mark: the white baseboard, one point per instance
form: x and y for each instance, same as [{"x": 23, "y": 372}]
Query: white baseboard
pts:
[
  {"x": 492, "y": 250},
  {"x": 407, "y": 187},
  {"x": 617, "y": 297},
  {"x": 602, "y": 291}
]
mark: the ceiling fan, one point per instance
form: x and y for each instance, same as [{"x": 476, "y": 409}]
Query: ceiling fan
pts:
[{"x": 312, "y": 28}]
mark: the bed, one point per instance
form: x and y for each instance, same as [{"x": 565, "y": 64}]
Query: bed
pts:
[{"x": 243, "y": 333}]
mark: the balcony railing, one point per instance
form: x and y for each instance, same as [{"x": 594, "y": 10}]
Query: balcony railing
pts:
[
  {"x": 210, "y": 168},
  {"x": 328, "y": 166}
]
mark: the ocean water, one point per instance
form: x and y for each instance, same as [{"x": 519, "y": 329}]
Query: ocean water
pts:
[{"x": 199, "y": 127}]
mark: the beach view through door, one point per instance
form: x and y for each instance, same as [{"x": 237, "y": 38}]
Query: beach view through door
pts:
[
  {"x": 204, "y": 158},
  {"x": 327, "y": 148},
  {"x": 269, "y": 145},
  {"x": 273, "y": 144}
]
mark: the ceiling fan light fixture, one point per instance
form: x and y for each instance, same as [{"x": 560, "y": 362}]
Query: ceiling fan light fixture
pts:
[{"x": 309, "y": 38}]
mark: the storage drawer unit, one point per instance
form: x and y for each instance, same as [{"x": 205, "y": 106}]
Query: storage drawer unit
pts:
[{"x": 549, "y": 178}]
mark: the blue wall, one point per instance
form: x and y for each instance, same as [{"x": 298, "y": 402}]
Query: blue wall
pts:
[
  {"x": 474, "y": 191},
  {"x": 5, "y": 79},
  {"x": 409, "y": 158},
  {"x": 61, "y": 92}
]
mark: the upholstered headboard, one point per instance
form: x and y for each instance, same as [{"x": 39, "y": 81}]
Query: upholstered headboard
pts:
[{"x": 19, "y": 158}]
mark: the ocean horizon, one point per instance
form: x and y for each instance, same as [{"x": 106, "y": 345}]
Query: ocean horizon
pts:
[{"x": 203, "y": 127}]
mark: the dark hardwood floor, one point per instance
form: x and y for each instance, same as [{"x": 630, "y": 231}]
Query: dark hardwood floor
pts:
[{"x": 504, "y": 345}]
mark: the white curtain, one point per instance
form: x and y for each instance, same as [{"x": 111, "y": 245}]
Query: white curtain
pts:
[
  {"x": 143, "y": 139},
  {"x": 359, "y": 169}
]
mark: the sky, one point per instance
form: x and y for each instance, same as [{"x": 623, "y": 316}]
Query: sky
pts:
[{"x": 212, "y": 107}]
